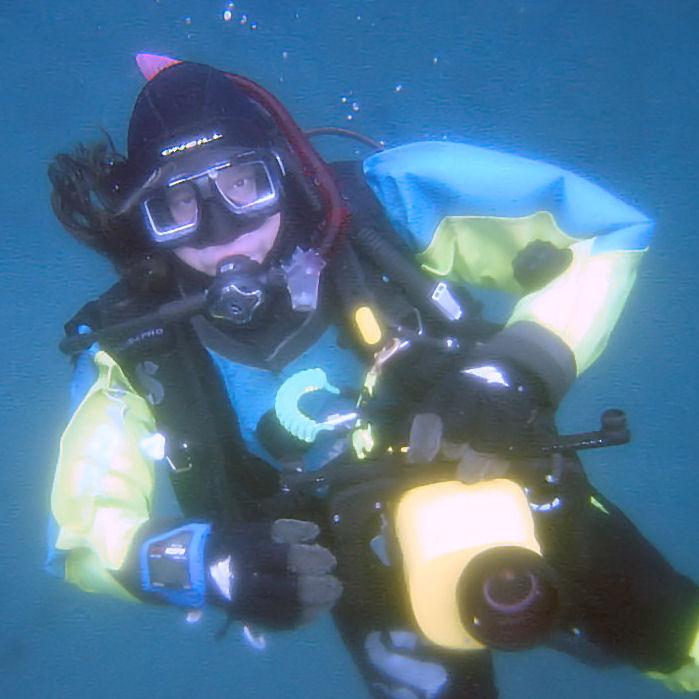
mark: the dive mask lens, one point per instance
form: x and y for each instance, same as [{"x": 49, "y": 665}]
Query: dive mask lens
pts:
[
  {"x": 247, "y": 184},
  {"x": 172, "y": 213}
]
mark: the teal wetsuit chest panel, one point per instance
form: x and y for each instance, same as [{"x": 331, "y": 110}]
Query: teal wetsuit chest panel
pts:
[{"x": 252, "y": 392}]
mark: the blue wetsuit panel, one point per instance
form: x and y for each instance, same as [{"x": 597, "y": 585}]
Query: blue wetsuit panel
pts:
[
  {"x": 422, "y": 183},
  {"x": 252, "y": 392}
]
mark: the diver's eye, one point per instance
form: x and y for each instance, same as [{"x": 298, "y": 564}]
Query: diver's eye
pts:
[
  {"x": 238, "y": 184},
  {"x": 182, "y": 202}
]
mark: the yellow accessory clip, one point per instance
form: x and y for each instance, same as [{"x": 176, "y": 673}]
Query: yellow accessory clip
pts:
[
  {"x": 363, "y": 441},
  {"x": 368, "y": 325}
]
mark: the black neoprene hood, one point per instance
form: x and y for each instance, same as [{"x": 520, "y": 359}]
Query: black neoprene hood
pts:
[{"x": 188, "y": 106}]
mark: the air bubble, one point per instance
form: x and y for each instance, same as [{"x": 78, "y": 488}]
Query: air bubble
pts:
[
  {"x": 398, "y": 88},
  {"x": 194, "y": 616},
  {"x": 355, "y": 106},
  {"x": 227, "y": 16}
]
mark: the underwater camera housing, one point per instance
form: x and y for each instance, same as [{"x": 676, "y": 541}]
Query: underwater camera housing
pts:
[
  {"x": 473, "y": 566},
  {"x": 508, "y": 598}
]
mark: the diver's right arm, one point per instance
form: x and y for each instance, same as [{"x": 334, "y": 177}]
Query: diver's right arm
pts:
[{"x": 270, "y": 573}]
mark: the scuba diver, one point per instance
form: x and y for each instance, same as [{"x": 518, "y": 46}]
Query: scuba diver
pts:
[{"x": 291, "y": 344}]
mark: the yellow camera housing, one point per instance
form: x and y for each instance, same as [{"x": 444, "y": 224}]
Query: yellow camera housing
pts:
[{"x": 440, "y": 528}]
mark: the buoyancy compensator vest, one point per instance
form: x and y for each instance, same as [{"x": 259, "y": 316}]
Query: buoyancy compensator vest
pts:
[{"x": 167, "y": 362}]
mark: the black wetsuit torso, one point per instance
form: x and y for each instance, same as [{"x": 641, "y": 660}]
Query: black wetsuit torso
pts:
[{"x": 622, "y": 596}]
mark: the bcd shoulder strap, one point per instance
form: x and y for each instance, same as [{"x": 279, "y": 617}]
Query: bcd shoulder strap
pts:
[
  {"x": 375, "y": 267},
  {"x": 212, "y": 474}
]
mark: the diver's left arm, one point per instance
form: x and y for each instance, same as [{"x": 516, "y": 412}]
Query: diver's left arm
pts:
[
  {"x": 269, "y": 572},
  {"x": 104, "y": 479},
  {"x": 469, "y": 212}
]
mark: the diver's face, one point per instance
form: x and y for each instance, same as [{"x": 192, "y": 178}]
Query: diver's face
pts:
[{"x": 254, "y": 244}]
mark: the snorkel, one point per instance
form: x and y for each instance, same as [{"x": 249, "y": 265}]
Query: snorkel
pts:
[{"x": 314, "y": 167}]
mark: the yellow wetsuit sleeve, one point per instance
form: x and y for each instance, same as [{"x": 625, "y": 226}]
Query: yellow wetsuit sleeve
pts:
[
  {"x": 466, "y": 213},
  {"x": 686, "y": 678},
  {"x": 579, "y": 308},
  {"x": 103, "y": 485},
  {"x": 583, "y": 305}
]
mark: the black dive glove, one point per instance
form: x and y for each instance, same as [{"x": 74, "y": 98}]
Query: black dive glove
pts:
[
  {"x": 494, "y": 406},
  {"x": 269, "y": 573},
  {"x": 273, "y": 575}
]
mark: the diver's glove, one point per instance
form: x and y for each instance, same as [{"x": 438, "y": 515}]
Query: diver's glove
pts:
[
  {"x": 274, "y": 575},
  {"x": 494, "y": 406},
  {"x": 269, "y": 573}
]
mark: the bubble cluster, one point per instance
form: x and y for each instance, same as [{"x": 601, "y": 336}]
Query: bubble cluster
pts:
[
  {"x": 350, "y": 101},
  {"x": 231, "y": 14},
  {"x": 228, "y": 15},
  {"x": 285, "y": 57}
]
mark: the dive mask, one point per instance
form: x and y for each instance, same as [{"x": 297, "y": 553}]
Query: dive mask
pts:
[{"x": 244, "y": 183}]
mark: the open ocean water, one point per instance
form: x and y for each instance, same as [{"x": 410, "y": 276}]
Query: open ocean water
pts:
[{"x": 607, "y": 89}]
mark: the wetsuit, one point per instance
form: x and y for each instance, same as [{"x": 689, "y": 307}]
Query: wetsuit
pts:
[{"x": 466, "y": 214}]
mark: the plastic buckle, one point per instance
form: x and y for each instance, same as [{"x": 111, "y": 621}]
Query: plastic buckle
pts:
[{"x": 445, "y": 301}]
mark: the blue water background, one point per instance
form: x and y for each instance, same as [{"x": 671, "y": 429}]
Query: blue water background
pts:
[{"x": 608, "y": 89}]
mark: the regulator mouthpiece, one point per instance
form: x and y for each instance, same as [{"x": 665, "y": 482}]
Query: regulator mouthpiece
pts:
[{"x": 238, "y": 290}]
